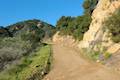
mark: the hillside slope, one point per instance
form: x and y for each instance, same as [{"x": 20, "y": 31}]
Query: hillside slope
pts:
[
  {"x": 97, "y": 33},
  {"x": 20, "y": 45}
]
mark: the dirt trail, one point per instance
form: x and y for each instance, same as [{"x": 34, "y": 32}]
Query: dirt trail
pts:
[{"x": 69, "y": 65}]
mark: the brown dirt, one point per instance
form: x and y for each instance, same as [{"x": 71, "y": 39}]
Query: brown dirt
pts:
[{"x": 69, "y": 65}]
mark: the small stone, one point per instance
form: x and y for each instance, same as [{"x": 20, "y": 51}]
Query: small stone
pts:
[
  {"x": 98, "y": 61},
  {"x": 47, "y": 79},
  {"x": 42, "y": 73}
]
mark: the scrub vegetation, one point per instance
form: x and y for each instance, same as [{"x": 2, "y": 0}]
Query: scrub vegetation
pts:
[
  {"x": 22, "y": 50},
  {"x": 77, "y": 26}
]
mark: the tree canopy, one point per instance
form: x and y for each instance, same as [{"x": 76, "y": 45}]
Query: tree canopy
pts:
[{"x": 77, "y": 26}]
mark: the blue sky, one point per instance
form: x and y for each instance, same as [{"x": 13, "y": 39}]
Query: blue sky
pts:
[{"x": 50, "y": 11}]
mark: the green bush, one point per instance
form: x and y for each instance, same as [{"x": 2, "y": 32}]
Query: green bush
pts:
[
  {"x": 31, "y": 67},
  {"x": 95, "y": 55},
  {"x": 113, "y": 25},
  {"x": 74, "y": 26},
  {"x": 107, "y": 55},
  {"x": 77, "y": 26},
  {"x": 87, "y": 4},
  {"x": 12, "y": 49},
  {"x": 100, "y": 55}
]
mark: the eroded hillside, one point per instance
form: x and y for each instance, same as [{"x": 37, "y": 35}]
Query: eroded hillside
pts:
[{"x": 97, "y": 33}]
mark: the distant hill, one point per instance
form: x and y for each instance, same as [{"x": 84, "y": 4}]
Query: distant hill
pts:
[{"x": 24, "y": 26}]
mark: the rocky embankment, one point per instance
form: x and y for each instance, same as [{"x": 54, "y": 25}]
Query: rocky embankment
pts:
[{"x": 97, "y": 33}]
